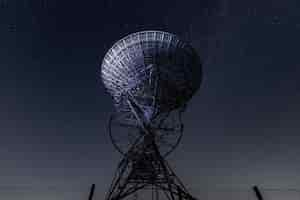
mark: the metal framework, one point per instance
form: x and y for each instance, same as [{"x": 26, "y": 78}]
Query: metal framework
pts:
[
  {"x": 144, "y": 168},
  {"x": 151, "y": 75},
  {"x": 133, "y": 64}
]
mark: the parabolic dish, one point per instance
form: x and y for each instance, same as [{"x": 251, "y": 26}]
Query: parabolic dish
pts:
[{"x": 156, "y": 68}]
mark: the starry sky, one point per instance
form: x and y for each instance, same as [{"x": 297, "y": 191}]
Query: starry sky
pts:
[{"x": 242, "y": 126}]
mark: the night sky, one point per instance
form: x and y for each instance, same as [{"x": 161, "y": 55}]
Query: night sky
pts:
[{"x": 242, "y": 126}]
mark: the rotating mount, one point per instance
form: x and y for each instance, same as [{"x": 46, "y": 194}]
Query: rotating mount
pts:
[
  {"x": 125, "y": 127},
  {"x": 168, "y": 131}
]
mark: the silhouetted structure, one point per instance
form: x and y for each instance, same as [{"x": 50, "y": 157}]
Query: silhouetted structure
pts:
[
  {"x": 258, "y": 193},
  {"x": 91, "y": 195},
  {"x": 151, "y": 75}
]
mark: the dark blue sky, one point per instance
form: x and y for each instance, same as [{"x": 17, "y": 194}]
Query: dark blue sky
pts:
[{"x": 242, "y": 127}]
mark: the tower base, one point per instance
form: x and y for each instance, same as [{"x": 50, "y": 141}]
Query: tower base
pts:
[{"x": 145, "y": 175}]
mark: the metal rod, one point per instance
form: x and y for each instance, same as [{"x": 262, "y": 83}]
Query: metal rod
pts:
[
  {"x": 92, "y": 192},
  {"x": 258, "y": 193}
]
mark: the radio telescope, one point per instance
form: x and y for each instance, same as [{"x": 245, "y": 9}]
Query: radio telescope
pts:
[{"x": 151, "y": 76}]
